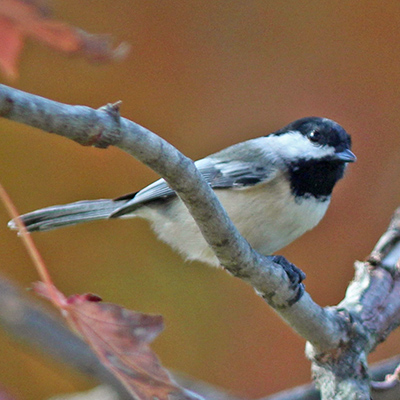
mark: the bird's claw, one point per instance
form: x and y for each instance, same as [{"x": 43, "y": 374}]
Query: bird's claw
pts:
[{"x": 296, "y": 275}]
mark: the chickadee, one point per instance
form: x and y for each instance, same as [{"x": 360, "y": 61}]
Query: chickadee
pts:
[{"x": 274, "y": 188}]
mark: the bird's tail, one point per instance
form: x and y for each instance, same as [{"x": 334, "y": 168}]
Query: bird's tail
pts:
[{"x": 68, "y": 214}]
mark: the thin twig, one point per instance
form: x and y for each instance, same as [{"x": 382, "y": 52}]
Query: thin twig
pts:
[{"x": 29, "y": 244}]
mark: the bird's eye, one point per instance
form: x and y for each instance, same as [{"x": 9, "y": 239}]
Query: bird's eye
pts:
[{"x": 314, "y": 136}]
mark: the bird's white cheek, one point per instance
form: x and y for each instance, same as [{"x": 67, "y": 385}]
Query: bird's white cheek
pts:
[{"x": 294, "y": 146}]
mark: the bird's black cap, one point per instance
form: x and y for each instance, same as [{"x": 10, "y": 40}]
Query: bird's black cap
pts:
[{"x": 329, "y": 132}]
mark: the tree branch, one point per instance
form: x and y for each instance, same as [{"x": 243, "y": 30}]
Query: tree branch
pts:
[
  {"x": 104, "y": 127},
  {"x": 372, "y": 308},
  {"x": 340, "y": 338},
  {"x": 24, "y": 319}
]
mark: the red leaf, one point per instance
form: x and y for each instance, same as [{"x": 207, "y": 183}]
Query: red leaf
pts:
[
  {"x": 10, "y": 48},
  {"x": 118, "y": 336},
  {"x": 120, "y": 339},
  {"x": 19, "y": 18}
]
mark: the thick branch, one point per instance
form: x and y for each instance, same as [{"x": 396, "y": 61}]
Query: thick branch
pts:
[
  {"x": 105, "y": 127},
  {"x": 23, "y": 317},
  {"x": 340, "y": 337},
  {"x": 372, "y": 308},
  {"x": 378, "y": 372}
]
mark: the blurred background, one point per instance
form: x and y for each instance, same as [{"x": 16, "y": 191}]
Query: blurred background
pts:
[{"x": 204, "y": 75}]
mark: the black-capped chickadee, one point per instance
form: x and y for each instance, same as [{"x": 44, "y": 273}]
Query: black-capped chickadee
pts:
[{"x": 274, "y": 188}]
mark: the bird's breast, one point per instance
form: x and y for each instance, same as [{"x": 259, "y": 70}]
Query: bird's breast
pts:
[
  {"x": 267, "y": 215},
  {"x": 270, "y": 217}
]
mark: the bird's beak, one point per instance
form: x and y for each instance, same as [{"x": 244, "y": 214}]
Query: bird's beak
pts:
[{"x": 346, "y": 156}]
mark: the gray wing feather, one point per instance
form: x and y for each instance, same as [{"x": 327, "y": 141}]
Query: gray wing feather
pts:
[{"x": 247, "y": 169}]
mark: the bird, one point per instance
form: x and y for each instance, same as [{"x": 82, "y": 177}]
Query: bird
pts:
[{"x": 274, "y": 188}]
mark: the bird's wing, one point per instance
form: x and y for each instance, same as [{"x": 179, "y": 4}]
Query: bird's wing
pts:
[{"x": 219, "y": 170}]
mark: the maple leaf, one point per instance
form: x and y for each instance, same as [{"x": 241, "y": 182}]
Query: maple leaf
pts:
[
  {"x": 120, "y": 339},
  {"x": 22, "y": 18}
]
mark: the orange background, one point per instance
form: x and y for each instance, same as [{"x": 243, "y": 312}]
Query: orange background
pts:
[{"x": 205, "y": 75}]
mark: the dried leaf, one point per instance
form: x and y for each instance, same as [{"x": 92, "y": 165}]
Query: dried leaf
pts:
[
  {"x": 118, "y": 336},
  {"x": 10, "y": 48},
  {"x": 19, "y": 18},
  {"x": 120, "y": 339}
]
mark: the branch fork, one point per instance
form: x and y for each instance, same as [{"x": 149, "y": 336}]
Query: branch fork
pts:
[{"x": 339, "y": 338}]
